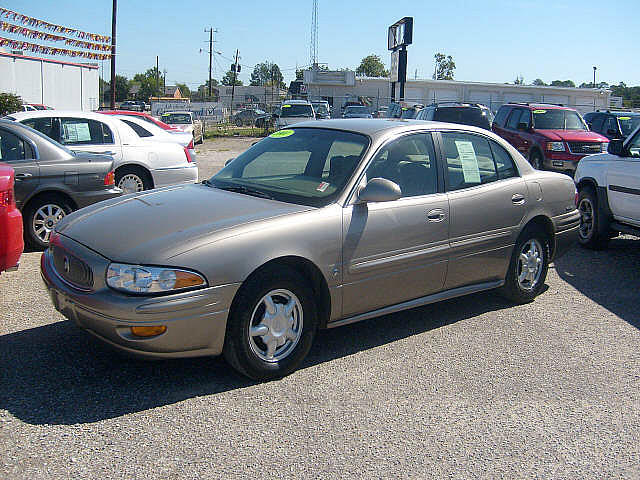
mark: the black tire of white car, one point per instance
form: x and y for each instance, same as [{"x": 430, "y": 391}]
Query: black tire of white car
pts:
[
  {"x": 141, "y": 176},
  {"x": 512, "y": 288},
  {"x": 238, "y": 349},
  {"x": 30, "y": 235},
  {"x": 594, "y": 228}
]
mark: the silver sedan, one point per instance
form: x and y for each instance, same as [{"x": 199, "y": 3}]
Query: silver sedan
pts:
[{"x": 320, "y": 225}]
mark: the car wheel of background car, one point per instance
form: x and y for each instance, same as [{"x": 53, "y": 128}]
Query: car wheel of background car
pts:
[
  {"x": 593, "y": 232},
  {"x": 536, "y": 160},
  {"x": 272, "y": 324},
  {"x": 238, "y": 122},
  {"x": 132, "y": 179},
  {"x": 528, "y": 267},
  {"x": 41, "y": 216}
]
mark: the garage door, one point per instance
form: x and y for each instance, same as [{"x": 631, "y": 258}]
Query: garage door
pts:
[
  {"x": 518, "y": 97},
  {"x": 444, "y": 95},
  {"x": 561, "y": 99},
  {"x": 476, "y": 96}
]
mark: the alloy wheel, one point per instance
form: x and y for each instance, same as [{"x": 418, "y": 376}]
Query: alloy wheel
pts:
[
  {"x": 131, "y": 183},
  {"x": 45, "y": 219},
  {"x": 585, "y": 207},
  {"x": 530, "y": 263}
]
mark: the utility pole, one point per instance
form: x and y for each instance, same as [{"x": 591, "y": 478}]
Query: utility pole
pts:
[
  {"x": 211, "y": 30},
  {"x": 157, "y": 77},
  {"x": 594, "y": 76},
  {"x": 235, "y": 68},
  {"x": 113, "y": 54}
]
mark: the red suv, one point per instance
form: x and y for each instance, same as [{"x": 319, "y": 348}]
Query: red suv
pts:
[
  {"x": 550, "y": 136},
  {"x": 11, "y": 241}
]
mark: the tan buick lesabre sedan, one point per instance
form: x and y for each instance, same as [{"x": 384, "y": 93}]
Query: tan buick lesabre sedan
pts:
[{"x": 320, "y": 225}]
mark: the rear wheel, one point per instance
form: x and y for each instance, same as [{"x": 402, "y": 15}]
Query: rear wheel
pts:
[
  {"x": 40, "y": 218},
  {"x": 272, "y": 324},
  {"x": 132, "y": 180},
  {"x": 593, "y": 232},
  {"x": 528, "y": 268}
]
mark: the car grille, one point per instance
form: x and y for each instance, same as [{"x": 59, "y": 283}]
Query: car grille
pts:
[
  {"x": 585, "y": 147},
  {"x": 72, "y": 269}
]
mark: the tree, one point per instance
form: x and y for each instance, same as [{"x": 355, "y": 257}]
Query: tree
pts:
[
  {"x": 519, "y": 80},
  {"x": 228, "y": 79},
  {"x": 267, "y": 73},
  {"x": 147, "y": 82},
  {"x": 372, "y": 66},
  {"x": 444, "y": 67},
  {"x": 563, "y": 83},
  {"x": 9, "y": 103},
  {"x": 538, "y": 82},
  {"x": 122, "y": 88},
  {"x": 184, "y": 90}
]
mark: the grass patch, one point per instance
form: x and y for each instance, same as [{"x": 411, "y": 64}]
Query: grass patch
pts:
[{"x": 227, "y": 130}]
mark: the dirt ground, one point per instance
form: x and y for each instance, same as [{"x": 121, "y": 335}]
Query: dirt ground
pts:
[{"x": 214, "y": 152}]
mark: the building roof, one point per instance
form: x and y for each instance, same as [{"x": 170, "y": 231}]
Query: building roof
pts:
[{"x": 92, "y": 66}]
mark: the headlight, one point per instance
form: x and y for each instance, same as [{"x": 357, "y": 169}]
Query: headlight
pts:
[
  {"x": 555, "y": 146},
  {"x": 143, "y": 279},
  {"x": 605, "y": 147}
]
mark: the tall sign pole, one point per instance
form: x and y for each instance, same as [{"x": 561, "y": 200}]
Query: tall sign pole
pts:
[
  {"x": 113, "y": 54},
  {"x": 400, "y": 35},
  {"x": 235, "y": 68},
  {"x": 211, "y": 32}
]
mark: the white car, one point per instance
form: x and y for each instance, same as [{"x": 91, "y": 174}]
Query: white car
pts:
[
  {"x": 151, "y": 132},
  {"x": 186, "y": 122},
  {"x": 609, "y": 192},
  {"x": 141, "y": 164},
  {"x": 294, "y": 111}
]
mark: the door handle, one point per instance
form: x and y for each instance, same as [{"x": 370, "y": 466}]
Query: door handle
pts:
[
  {"x": 436, "y": 215},
  {"x": 517, "y": 198},
  {"x": 21, "y": 176}
]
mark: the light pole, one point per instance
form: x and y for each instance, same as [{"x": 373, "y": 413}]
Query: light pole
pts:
[
  {"x": 594, "y": 76},
  {"x": 113, "y": 54}
]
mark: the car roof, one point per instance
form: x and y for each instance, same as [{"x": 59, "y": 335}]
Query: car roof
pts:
[
  {"x": 177, "y": 111},
  {"x": 58, "y": 113},
  {"x": 536, "y": 106},
  {"x": 296, "y": 102},
  {"x": 623, "y": 114}
]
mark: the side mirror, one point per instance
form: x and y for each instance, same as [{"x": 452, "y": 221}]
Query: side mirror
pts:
[
  {"x": 523, "y": 126},
  {"x": 379, "y": 190},
  {"x": 616, "y": 147},
  {"x": 229, "y": 161}
]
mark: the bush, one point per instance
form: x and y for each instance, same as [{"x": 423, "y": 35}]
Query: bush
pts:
[{"x": 9, "y": 103}]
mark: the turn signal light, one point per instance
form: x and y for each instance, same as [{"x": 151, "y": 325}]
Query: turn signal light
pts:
[
  {"x": 6, "y": 198},
  {"x": 110, "y": 179},
  {"x": 188, "y": 155},
  {"x": 148, "y": 331}
]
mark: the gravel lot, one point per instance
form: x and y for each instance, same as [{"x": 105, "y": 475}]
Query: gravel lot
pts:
[{"x": 469, "y": 388}]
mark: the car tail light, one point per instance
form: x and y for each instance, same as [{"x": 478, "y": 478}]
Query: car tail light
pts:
[
  {"x": 190, "y": 146},
  {"x": 188, "y": 155},
  {"x": 7, "y": 198},
  {"x": 110, "y": 179}
]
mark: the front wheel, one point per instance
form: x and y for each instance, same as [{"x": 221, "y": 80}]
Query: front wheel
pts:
[
  {"x": 528, "y": 267},
  {"x": 272, "y": 325},
  {"x": 592, "y": 233}
]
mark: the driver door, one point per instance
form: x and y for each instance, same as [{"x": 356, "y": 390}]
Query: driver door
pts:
[
  {"x": 397, "y": 251},
  {"x": 623, "y": 184}
]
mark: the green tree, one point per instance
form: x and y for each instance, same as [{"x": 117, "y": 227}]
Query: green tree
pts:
[
  {"x": 184, "y": 90},
  {"x": 519, "y": 80},
  {"x": 372, "y": 66},
  {"x": 148, "y": 85},
  {"x": 267, "y": 73},
  {"x": 444, "y": 67},
  {"x": 9, "y": 103},
  {"x": 538, "y": 82},
  {"x": 228, "y": 79},
  {"x": 563, "y": 83}
]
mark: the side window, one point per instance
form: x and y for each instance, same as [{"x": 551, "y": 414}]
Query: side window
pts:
[
  {"x": 142, "y": 132},
  {"x": 48, "y": 126},
  {"x": 469, "y": 160},
  {"x": 525, "y": 118},
  {"x": 409, "y": 162},
  {"x": 512, "y": 124},
  {"x": 504, "y": 163},
  {"x": 501, "y": 116},
  {"x": 12, "y": 147},
  {"x": 82, "y": 131},
  {"x": 596, "y": 122},
  {"x": 611, "y": 126}
]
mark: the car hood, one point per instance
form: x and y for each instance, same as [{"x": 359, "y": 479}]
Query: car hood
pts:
[
  {"x": 155, "y": 226},
  {"x": 572, "y": 135}
]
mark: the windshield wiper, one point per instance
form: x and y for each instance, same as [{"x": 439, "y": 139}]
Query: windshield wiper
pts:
[{"x": 247, "y": 191}]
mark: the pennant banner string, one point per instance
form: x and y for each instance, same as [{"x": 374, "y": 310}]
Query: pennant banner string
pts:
[
  {"x": 32, "y": 47},
  {"x": 27, "y": 32}
]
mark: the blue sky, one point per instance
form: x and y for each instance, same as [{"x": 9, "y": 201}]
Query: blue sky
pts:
[{"x": 490, "y": 41}]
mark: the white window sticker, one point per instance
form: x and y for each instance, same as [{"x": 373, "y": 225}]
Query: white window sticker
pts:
[
  {"x": 469, "y": 161},
  {"x": 322, "y": 187},
  {"x": 77, "y": 132}
]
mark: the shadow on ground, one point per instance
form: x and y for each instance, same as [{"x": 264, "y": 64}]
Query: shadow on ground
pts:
[
  {"x": 609, "y": 277},
  {"x": 58, "y": 374}
]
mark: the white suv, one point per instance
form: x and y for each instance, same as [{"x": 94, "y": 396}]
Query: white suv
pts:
[
  {"x": 294, "y": 111},
  {"x": 609, "y": 192}
]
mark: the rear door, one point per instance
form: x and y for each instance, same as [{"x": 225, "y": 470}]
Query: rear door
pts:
[
  {"x": 487, "y": 201},
  {"x": 397, "y": 251},
  {"x": 18, "y": 153},
  {"x": 93, "y": 136}
]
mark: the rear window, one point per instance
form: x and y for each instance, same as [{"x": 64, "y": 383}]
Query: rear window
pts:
[
  {"x": 463, "y": 115},
  {"x": 293, "y": 110},
  {"x": 142, "y": 132}
]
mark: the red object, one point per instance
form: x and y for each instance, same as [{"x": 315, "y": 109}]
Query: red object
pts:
[
  {"x": 146, "y": 116},
  {"x": 110, "y": 178},
  {"x": 11, "y": 241},
  {"x": 188, "y": 155},
  {"x": 40, "y": 106}
]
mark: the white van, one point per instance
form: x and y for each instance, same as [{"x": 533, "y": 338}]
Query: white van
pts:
[{"x": 294, "y": 111}]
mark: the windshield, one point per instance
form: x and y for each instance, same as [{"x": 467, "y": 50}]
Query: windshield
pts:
[
  {"x": 628, "y": 124},
  {"x": 307, "y": 166},
  {"x": 177, "y": 118},
  {"x": 293, "y": 110},
  {"x": 320, "y": 108},
  {"x": 463, "y": 115},
  {"x": 356, "y": 109},
  {"x": 556, "y": 119}
]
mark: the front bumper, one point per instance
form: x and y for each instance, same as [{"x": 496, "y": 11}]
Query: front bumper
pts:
[
  {"x": 196, "y": 320},
  {"x": 163, "y": 177}
]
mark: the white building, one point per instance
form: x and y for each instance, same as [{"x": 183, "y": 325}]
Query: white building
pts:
[
  {"x": 337, "y": 87},
  {"x": 58, "y": 84}
]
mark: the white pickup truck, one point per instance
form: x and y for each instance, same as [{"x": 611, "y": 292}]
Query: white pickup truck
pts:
[
  {"x": 185, "y": 122},
  {"x": 609, "y": 192}
]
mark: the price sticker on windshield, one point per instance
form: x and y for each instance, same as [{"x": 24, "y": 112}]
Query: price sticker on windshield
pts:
[
  {"x": 282, "y": 134},
  {"x": 624, "y": 118},
  {"x": 286, "y": 106},
  {"x": 539, "y": 111},
  {"x": 322, "y": 187}
]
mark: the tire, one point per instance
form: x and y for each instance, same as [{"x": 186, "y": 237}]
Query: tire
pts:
[
  {"x": 133, "y": 179},
  {"x": 41, "y": 216},
  {"x": 239, "y": 122},
  {"x": 250, "y": 354},
  {"x": 533, "y": 243},
  {"x": 594, "y": 228},
  {"x": 536, "y": 160}
]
